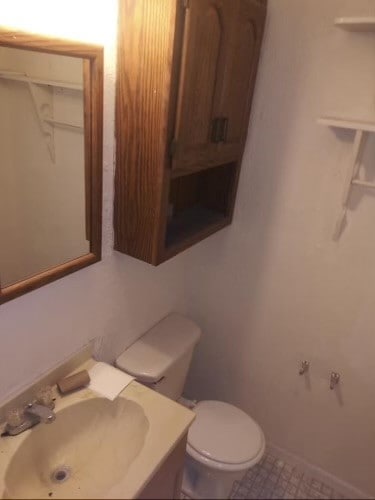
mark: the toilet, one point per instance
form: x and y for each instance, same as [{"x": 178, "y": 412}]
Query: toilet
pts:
[{"x": 223, "y": 441}]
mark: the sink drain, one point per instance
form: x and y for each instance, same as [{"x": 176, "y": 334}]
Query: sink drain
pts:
[{"x": 61, "y": 474}]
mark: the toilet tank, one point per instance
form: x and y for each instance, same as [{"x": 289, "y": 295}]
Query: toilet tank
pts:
[{"x": 161, "y": 357}]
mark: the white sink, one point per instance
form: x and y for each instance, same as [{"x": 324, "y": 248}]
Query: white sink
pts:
[
  {"x": 95, "y": 448},
  {"x": 83, "y": 453}
]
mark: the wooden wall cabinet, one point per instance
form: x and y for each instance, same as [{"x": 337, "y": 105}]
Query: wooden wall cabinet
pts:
[{"x": 186, "y": 76}]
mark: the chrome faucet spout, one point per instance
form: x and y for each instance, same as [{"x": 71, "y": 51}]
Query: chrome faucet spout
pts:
[{"x": 20, "y": 419}]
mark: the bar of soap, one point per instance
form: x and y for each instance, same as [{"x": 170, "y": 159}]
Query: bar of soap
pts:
[{"x": 76, "y": 381}]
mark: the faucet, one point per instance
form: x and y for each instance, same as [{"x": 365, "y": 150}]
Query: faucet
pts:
[
  {"x": 34, "y": 413},
  {"x": 41, "y": 413}
]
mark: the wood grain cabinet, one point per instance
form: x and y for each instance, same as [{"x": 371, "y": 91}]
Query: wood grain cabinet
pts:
[{"x": 186, "y": 76}]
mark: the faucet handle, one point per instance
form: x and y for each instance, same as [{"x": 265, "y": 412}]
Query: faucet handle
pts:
[
  {"x": 45, "y": 397},
  {"x": 15, "y": 417}
]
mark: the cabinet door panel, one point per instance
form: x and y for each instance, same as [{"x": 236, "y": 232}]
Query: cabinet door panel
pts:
[
  {"x": 240, "y": 74},
  {"x": 207, "y": 29}
]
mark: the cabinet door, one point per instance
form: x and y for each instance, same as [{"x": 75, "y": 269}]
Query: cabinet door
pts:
[
  {"x": 208, "y": 27},
  {"x": 167, "y": 481},
  {"x": 240, "y": 74}
]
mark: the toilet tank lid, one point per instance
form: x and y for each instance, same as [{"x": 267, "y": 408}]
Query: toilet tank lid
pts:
[{"x": 151, "y": 355}]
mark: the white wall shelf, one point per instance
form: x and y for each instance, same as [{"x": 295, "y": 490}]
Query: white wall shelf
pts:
[
  {"x": 347, "y": 123},
  {"x": 356, "y": 24},
  {"x": 362, "y": 128}
]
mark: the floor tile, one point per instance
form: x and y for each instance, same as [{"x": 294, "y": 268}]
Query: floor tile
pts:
[{"x": 275, "y": 478}]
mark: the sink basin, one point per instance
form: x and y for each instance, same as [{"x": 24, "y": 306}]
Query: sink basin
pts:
[
  {"x": 87, "y": 450},
  {"x": 96, "y": 448}
]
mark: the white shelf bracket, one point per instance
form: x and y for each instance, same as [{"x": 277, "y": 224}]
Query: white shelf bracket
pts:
[{"x": 352, "y": 172}]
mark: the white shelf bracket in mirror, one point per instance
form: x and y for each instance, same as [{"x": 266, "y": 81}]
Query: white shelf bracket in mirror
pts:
[
  {"x": 46, "y": 123},
  {"x": 46, "y": 128},
  {"x": 362, "y": 130}
]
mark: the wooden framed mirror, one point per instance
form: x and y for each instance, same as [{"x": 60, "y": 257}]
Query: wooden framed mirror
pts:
[{"x": 51, "y": 138}]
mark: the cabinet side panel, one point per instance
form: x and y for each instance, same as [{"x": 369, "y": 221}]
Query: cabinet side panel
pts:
[{"x": 145, "y": 57}]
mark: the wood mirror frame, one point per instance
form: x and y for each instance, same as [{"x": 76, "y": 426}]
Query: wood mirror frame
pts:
[{"x": 92, "y": 56}]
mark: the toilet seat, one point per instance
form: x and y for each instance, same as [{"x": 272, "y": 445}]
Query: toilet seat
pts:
[
  {"x": 222, "y": 466},
  {"x": 224, "y": 437}
]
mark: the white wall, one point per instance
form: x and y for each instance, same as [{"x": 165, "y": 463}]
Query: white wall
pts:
[
  {"x": 119, "y": 298},
  {"x": 274, "y": 289}
]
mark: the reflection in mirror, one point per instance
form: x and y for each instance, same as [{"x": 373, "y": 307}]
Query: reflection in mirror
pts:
[
  {"x": 51, "y": 138},
  {"x": 42, "y": 163}
]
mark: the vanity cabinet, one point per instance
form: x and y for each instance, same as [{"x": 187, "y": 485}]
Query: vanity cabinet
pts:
[
  {"x": 186, "y": 76},
  {"x": 167, "y": 481}
]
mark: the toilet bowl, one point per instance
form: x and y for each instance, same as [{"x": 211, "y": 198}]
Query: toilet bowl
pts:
[{"x": 223, "y": 441}]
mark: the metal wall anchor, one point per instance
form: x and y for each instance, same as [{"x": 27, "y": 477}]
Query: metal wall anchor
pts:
[
  {"x": 334, "y": 380},
  {"x": 304, "y": 367}
]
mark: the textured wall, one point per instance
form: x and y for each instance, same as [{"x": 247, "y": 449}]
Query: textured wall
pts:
[
  {"x": 118, "y": 298},
  {"x": 274, "y": 288}
]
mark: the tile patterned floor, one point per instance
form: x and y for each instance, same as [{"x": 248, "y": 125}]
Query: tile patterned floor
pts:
[{"x": 275, "y": 478}]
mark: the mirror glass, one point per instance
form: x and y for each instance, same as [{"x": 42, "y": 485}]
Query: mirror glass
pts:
[{"x": 44, "y": 185}]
